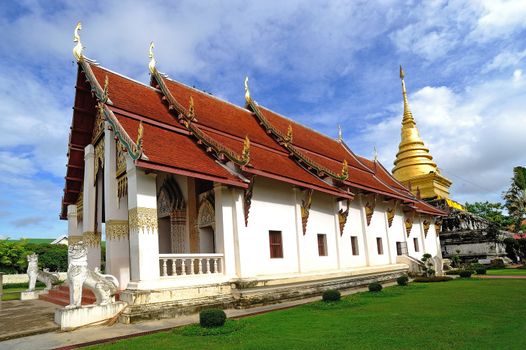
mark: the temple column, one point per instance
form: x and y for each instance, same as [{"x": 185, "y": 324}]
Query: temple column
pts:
[
  {"x": 337, "y": 235},
  {"x": 90, "y": 235},
  {"x": 243, "y": 256},
  {"x": 73, "y": 232},
  {"x": 192, "y": 215},
  {"x": 299, "y": 228},
  {"x": 422, "y": 234},
  {"x": 144, "y": 235},
  {"x": 224, "y": 211},
  {"x": 392, "y": 259},
  {"x": 116, "y": 215},
  {"x": 364, "y": 232}
]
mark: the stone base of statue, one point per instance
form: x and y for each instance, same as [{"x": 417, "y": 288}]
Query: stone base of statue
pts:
[
  {"x": 31, "y": 295},
  {"x": 87, "y": 315}
]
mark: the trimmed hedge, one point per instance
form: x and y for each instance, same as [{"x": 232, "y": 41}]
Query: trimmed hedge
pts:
[
  {"x": 212, "y": 318},
  {"x": 331, "y": 295},
  {"x": 481, "y": 271},
  {"x": 402, "y": 280},
  {"x": 433, "y": 279},
  {"x": 465, "y": 273},
  {"x": 375, "y": 287}
]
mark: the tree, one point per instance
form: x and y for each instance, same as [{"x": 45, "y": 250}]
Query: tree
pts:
[
  {"x": 515, "y": 197},
  {"x": 491, "y": 212}
]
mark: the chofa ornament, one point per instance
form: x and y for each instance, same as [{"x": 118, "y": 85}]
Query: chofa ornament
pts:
[
  {"x": 79, "y": 275},
  {"x": 35, "y": 275}
]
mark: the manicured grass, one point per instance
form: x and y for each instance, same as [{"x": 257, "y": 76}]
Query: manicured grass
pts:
[
  {"x": 460, "y": 314},
  {"x": 507, "y": 272},
  {"x": 14, "y": 293}
]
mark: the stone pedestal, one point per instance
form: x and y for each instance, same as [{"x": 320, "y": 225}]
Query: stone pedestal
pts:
[
  {"x": 89, "y": 315},
  {"x": 26, "y": 295}
]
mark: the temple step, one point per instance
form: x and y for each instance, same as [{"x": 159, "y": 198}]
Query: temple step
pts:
[{"x": 60, "y": 296}]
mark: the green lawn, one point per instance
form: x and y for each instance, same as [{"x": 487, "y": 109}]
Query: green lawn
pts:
[
  {"x": 507, "y": 272},
  {"x": 14, "y": 293},
  {"x": 460, "y": 314}
]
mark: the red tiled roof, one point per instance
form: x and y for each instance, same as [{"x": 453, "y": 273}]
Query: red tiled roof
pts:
[{"x": 169, "y": 146}]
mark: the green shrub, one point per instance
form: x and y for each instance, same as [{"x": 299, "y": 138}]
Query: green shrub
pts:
[
  {"x": 481, "y": 271},
  {"x": 432, "y": 279},
  {"x": 402, "y": 280},
  {"x": 212, "y": 318},
  {"x": 453, "y": 272},
  {"x": 465, "y": 273},
  {"x": 331, "y": 295},
  {"x": 375, "y": 287}
]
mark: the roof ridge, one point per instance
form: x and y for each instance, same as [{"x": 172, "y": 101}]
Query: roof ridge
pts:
[
  {"x": 96, "y": 64},
  {"x": 207, "y": 94}
]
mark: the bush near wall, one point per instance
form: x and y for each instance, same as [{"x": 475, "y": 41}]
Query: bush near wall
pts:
[
  {"x": 331, "y": 295},
  {"x": 375, "y": 287},
  {"x": 212, "y": 318},
  {"x": 402, "y": 280},
  {"x": 432, "y": 279}
]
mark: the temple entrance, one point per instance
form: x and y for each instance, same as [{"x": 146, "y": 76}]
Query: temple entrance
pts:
[
  {"x": 171, "y": 213},
  {"x": 206, "y": 225},
  {"x": 207, "y": 240}
]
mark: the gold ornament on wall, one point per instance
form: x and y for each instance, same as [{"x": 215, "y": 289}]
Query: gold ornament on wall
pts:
[
  {"x": 305, "y": 209},
  {"x": 144, "y": 219},
  {"x": 426, "y": 223},
  {"x": 91, "y": 238},
  {"x": 408, "y": 224},
  {"x": 342, "y": 217},
  {"x": 116, "y": 229},
  {"x": 370, "y": 204}
]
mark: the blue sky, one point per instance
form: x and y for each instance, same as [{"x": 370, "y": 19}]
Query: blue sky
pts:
[{"x": 322, "y": 63}]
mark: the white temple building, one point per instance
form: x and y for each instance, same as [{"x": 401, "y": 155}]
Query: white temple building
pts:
[{"x": 203, "y": 202}]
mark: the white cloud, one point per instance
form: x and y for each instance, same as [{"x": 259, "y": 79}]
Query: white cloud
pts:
[
  {"x": 499, "y": 19},
  {"x": 504, "y": 60}
]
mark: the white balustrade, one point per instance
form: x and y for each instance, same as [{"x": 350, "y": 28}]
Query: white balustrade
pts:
[{"x": 173, "y": 265}]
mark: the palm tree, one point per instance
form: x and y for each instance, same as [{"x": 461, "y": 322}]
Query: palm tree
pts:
[{"x": 515, "y": 197}]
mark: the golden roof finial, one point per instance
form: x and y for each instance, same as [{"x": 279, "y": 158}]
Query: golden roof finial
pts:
[
  {"x": 345, "y": 169},
  {"x": 245, "y": 154},
  {"x": 77, "y": 50},
  {"x": 151, "y": 65},
  {"x": 191, "y": 109},
  {"x": 340, "y": 136},
  {"x": 140, "y": 132},
  {"x": 375, "y": 154},
  {"x": 289, "y": 133},
  {"x": 247, "y": 91}
]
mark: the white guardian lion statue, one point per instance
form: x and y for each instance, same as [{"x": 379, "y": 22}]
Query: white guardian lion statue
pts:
[
  {"x": 45, "y": 276},
  {"x": 103, "y": 286}
]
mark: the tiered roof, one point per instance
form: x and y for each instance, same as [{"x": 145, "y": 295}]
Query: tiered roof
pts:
[{"x": 189, "y": 132}]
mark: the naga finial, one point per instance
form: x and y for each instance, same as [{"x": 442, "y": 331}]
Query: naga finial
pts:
[
  {"x": 191, "y": 108},
  {"x": 77, "y": 50},
  {"x": 245, "y": 154},
  {"x": 345, "y": 169},
  {"x": 105, "y": 92},
  {"x": 247, "y": 91},
  {"x": 340, "y": 137},
  {"x": 151, "y": 65},
  {"x": 375, "y": 154},
  {"x": 289, "y": 134},
  {"x": 140, "y": 132}
]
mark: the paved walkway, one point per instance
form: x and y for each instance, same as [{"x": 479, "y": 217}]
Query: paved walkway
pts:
[
  {"x": 99, "y": 334},
  {"x": 499, "y": 276},
  {"x": 23, "y": 318}
]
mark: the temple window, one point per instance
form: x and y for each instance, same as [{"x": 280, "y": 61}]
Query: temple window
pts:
[
  {"x": 322, "y": 244},
  {"x": 415, "y": 241},
  {"x": 354, "y": 245},
  {"x": 276, "y": 245},
  {"x": 379, "y": 246}
]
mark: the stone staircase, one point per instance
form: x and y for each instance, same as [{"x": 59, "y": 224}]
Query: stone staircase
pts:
[{"x": 59, "y": 295}]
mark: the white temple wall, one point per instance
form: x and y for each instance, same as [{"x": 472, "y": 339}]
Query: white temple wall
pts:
[
  {"x": 431, "y": 241},
  {"x": 397, "y": 232},
  {"x": 353, "y": 228},
  {"x": 272, "y": 208},
  {"x": 415, "y": 233},
  {"x": 376, "y": 229},
  {"x": 321, "y": 221},
  {"x": 89, "y": 232}
]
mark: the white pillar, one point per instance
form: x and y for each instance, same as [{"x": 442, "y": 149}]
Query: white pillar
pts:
[
  {"x": 143, "y": 228},
  {"x": 392, "y": 259},
  {"x": 224, "y": 213},
  {"x": 73, "y": 232},
  {"x": 422, "y": 234},
  {"x": 337, "y": 206},
  {"x": 90, "y": 235},
  {"x": 241, "y": 236},
  {"x": 116, "y": 217},
  {"x": 364, "y": 232},
  {"x": 299, "y": 225}
]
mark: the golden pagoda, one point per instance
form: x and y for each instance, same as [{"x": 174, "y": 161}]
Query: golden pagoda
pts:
[{"x": 414, "y": 166}]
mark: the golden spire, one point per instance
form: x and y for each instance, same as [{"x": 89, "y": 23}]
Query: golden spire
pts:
[
  {"x": 151, "y": 65},
  {"x": 77, "y": 50},
  {"x": 247, "y": 91},
  {"x": 413, "y": 161}
]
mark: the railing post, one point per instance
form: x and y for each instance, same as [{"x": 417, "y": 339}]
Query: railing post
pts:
[
  {"x": 208, "y": 266},
  {"x": 200, "y": 266},
  {"x": 164, "y": 267},
  {"x": 174, "y": 267},
  {"x": 183, "y": 266},
  {"x": 192, "y": 266},
  {"x": 215, "y": 265}
]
